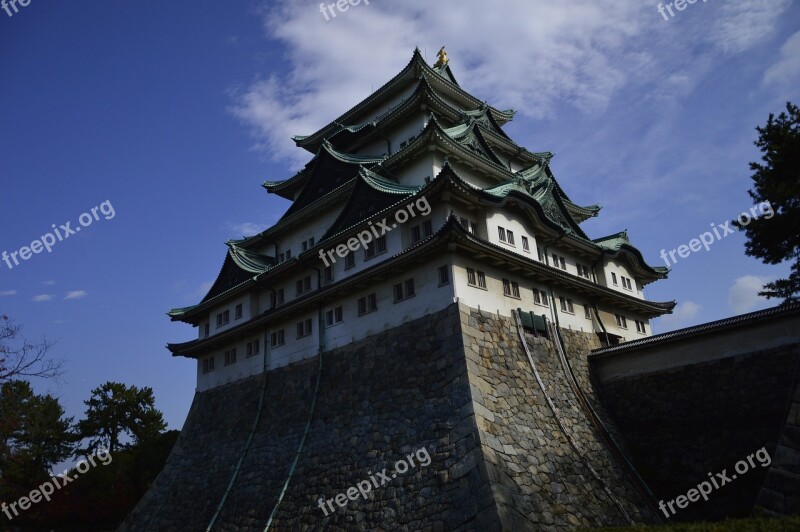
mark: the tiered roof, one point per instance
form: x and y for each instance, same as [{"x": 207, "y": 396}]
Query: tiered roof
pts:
[{"x": 364, "y": 189}]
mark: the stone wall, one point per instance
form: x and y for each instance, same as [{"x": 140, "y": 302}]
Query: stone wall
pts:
[
  {"x": 457, "y": 383},
  {"x": 683, "y": 423}
]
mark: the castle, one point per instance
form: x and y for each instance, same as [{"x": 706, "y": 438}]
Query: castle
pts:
[
  {"x": 427, "y": 340},
  {"x": 447, "y": 208}
]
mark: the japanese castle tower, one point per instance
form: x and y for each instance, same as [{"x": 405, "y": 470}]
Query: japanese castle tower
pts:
[
  {"x": 449, "y": 209},
  {"x": 423, "y": 314}
]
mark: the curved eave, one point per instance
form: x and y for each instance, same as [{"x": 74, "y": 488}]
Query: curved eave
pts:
[{"x": 415, "y": 69}]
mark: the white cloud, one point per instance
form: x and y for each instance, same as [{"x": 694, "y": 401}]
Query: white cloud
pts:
[
  {"x": 786, "y": 70},
  {"x": 534, "y": 57},
  {"x": 743, "y": 295},
  {"x": 42, "y": 297},
  {"x": 244, "y": 229},
  {"x": 76, "y": 294},
  {"x": 5, "y": 293},
  {"x": 683, "y": 313}
]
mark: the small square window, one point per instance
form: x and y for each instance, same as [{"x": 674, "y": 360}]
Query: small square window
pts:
[
  {"x": 471, "y": 279},
  {"x": 328, "y": 274},
  {"x": 525, "y": 244},
  {"x": 614, "y": 278},
  {"x": 587, "y": 312},
  {"x": 510, "y": 237},
  {"x": 238, "y": 312},
  {"x": 481, "y": 279},
  {"x": 349, "y": 261},
  {"x": 415, "y": 234},
  {"x": 427, "y": 228},
  {"x": 502, "y": 234}
]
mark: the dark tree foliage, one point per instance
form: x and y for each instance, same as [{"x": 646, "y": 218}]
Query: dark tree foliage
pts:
[
  {"x": 115, "y": 411},
  {"x": 777, "y": 181}
]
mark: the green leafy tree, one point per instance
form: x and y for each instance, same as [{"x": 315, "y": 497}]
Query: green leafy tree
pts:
[
  {"x": 777, "y": 181},
  {"x": 115, "y": 411}
]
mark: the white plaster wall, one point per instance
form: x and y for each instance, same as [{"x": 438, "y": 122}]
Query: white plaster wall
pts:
[{"x": 243, "y": 367}]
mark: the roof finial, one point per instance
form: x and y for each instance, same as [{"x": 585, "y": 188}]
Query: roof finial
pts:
[{"x": 443, "y": 60}]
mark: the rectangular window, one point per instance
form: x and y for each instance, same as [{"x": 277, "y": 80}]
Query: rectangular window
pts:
[
  {"x": 566, "y": 305},
  {"x": 367, "y": 304},
  {"x": 238, "y": 312},
  {"x": 404, "y": 290},
  {"x": 376, "y": 247},
  {"x": 614, "y": 278},
  {"x": 626, "y": 283},
  {"x": 230, "y": 357},
  {"x": 510, "y": 288},
  {"x": 333, "y": 316},
  {"x": 427, "y": 228},
  {"x": 398, "y": 292},
  {"x": 288, "y": 254},
  {"x": 583, "y": 271},
  {"x": 587, "y": 312},
  {"x": 349, "y": 261},
  {"x": 416, "y": 235},
  {"x": 640, "y": 327},
  {"x": 502, "y": 234},
  {"x": 206, "y": 330},
  {"x": 481, "y": 279},
  {"x": 540, "y": 297},
  {"x": 559, "y": 262},
  {"x": 305, "y": 245},
  {"x": 252, "y": 348},
  {"x": 277, "y": 338},
  {"x": 328, "y": 274},
  {"x": 299, "y": 287},
  {"x": 473, "y": 228},
  {"x": 304, "y": 285},
  {"x": 510, "y": 237},
  {"x": 444, "y": 275},
  {"x": 281, "y": 258},
  {"x": 303, "y": 328},
  {"x": 208, "y": 364},
  {"x": 621, "y": 321},
  {"x": 471, "y": 279},
  {"x": 279, "y": 298},
  {"x": 525, "y": 245}
]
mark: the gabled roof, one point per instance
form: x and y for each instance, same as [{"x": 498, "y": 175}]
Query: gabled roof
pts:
[
  {"x": 417, "y": 68},
  {"x": 328, "y": 160}
]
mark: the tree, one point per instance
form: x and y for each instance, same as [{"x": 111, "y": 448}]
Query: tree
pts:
[
  {"x": 777, "y": 181},
  {"x": 115, "y": 410},
  {"x": 34, "y": 435},
  {"x": 21, "y": 358}
]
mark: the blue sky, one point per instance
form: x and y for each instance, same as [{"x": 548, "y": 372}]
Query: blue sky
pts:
[{"x": 175, "y": 112}]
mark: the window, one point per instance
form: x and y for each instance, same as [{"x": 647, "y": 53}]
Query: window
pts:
[
  {"x": 277, "y": 338},
  {"x": 230, "y": 357},
  {"x": 208, "y": 364},
  {"x": 476, "y": 278},
  {"x": 277, "y": 298},
  {"x": 525, "y": 245},
  {"x": 502, "y": 233},
  {"x": 253, "y": 348},
  {"x": 281, "y": 258},
  {"x": 308, "y": 244},
  {"x": 614, "y": 278},
  {"x": 304, "y": 285},
  {"x": 288, "y": 254},
  {"x": 376, "y": 247},
  {"x": 416, "y": 235},
  {"x": 349, "y": 261},
  {"x": 305, "y": 245},
  {"x": 640, "y": 327},
  {"x": 328, "y": 275},
  {"x": 223, "y": 318},
  {"x": 404, "y": 290},
  {"x": 583, "y": 270},
  {"x": 206, "y": 330},
  {"x": 510, "y": 288},
  {"x": 238, "y": 312},
  {"x": 626, "y": 283},
  {"x": 333, "y": 316},
  {"x": 304, "y": 328},
  {"x": 621, "y": 321},
  {"x": 444, "y": 275},
  {"x": 418, "y": 232},
  {"x": 539, "y": 254},
  {"x": 566, "y": 305},
  {"x": 510, "y": 237},
  {"x": 427, "y": 228},
  {"x": 473, "y": 228},
  {"x": 559, "y": 262},
  {"x": 367, "y": 304},
  {"x": 540, "y": 297},
  {"x": 587, "y": 312}
]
